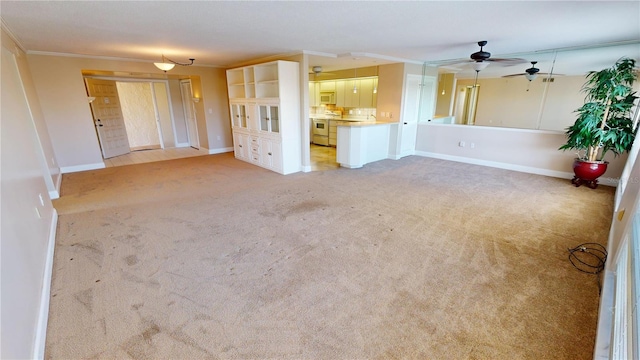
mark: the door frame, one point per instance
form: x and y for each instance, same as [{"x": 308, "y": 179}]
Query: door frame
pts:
[
  {"x": 188, "y": 105},
  {"x": 155, "y": 103}
]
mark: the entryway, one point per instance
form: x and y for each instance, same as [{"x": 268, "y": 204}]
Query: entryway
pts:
[
  {"x": 149, "y": 121},
  {"x": 145, "y": 156}
]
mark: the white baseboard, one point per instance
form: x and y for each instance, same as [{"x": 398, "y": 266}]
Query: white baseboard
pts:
[
  {"x": 305, "y": 168},
  {"x": 43, "y": 314},
  {"x": 500, "y": 165},
  {"x": 605, "y": 317},
  {"x": 220, "y": 151},
  {"x": 179, "y": 145},
  {"x": 77, "y": 168},
  {"x": 55, "y": 194}
]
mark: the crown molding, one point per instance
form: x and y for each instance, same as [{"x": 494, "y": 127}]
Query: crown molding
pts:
[
  {"x": 99, "y": 57},
  {"x": 11, "y": 35}
]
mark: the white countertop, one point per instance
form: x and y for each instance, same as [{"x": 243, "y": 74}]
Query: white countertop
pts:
[{"x": 366, "y": 123}]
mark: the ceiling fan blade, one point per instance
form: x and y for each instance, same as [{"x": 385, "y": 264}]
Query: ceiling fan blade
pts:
[
  {"x": 508, "y": 61},
  {"x": 542, "y": 74}
]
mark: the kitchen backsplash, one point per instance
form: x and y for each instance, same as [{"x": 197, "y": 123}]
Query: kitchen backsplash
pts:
[{"x": 361, "y": 114}]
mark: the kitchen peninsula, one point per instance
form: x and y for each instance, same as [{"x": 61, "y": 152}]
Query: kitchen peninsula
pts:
[{"x": 363, "y": 142}]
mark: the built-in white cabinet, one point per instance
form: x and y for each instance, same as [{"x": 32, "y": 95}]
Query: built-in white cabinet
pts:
[
  {"x": 264, "y": 102},
  {"x": 269, "y": 118}
]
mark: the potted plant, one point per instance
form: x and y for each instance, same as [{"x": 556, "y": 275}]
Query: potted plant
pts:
[{"x": 604, "y": 122}]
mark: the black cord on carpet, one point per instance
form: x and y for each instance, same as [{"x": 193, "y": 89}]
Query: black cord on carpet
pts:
[{"x": 589, "y": 258}]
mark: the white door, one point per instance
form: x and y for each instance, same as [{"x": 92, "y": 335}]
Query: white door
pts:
[
  {"x": 190, "y": 113},
  {"x": 107, "y": 117},
  {"x": 410, "y": 113}
]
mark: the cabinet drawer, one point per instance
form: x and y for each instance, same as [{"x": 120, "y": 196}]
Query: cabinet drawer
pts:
[{"x": 255, "y": 148}]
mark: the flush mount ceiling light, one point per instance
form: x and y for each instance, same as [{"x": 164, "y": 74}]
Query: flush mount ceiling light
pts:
[{"x": 168, "y": 64}]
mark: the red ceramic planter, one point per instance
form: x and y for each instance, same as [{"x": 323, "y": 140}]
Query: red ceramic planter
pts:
[{"x": 588, "y": 172}]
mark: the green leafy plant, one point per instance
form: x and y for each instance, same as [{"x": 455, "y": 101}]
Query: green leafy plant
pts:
[{"x": 604, "y": 122}]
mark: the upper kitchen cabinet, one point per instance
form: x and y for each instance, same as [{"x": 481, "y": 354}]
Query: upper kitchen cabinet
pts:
[
  {"x": 364, "y": 97},
  {"x": 367, "y": 97},
  {"x": 264, "y": 102},
  {"x": 328, "y": 86},
  {"x": 314, "y": 93}
]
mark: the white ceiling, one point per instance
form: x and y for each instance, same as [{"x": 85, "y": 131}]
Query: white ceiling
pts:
[{"x": 338, "y": 35}]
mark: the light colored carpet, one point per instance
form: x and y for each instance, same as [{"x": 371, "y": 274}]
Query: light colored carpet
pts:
[{"x": 418, "y": 258}]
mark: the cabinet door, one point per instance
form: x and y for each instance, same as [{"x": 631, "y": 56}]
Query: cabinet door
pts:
[
  {"x": 269, "y": 118},
  {"x": 314, "y": 94},
  {"x": 241, "y": 145},
  {"x": 238, "y": 115},
  {"x": 366, "y": 93},
  {"x": 251, "y": 118},
  {"x": 375, "y": 93},
  {"x": 327, "y": 86},
  {"x": 276, "y": 155},
  {"x": 340, "y": 93}
]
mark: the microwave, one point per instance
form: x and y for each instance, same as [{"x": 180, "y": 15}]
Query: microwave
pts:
[{"x": 327, "y": 97}]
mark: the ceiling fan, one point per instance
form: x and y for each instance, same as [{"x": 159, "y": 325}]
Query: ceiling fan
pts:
[
  {"x": 481, "y": 59},
  {"x": 530, "y": 73},
  {"x": 317, "y": 70}
]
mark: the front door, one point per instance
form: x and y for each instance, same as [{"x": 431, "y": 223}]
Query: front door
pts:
[
  {"x": 107, "y": 117},
  {"x": 190, "y": 113}
]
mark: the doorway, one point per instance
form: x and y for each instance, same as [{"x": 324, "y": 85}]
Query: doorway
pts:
[
  {"x": 141, "y": 115},
  {"x": 466, "y": 104},
  {"x": 148, "y": 109}
]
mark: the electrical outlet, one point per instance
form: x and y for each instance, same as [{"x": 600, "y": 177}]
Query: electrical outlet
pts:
[
  {"x": 38, "y": 213},
  {"x": 472, "y": 145},
  {"x": 461, "y": 144},
  {"x": 390, "y": 115},
  {"x": 41, "y": 199},
  {"x": 218, "y": 137}
]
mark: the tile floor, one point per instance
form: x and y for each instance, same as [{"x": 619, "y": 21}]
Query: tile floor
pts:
[
  {"x": 145, "y": 156},
  {"x": 322, "y": 157}
]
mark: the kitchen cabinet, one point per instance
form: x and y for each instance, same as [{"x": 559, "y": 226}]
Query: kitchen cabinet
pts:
[
  {"x": 333, "y": 132},
  {"x": 340, "y": 93},
  {"x": 363, "y": 98},
  {"x": 314, "y": 93},
  {"x": 264, "y": 102},
  {"x": 329, "y": 86},
  {"x": 366, "y": 93},
  {"x": 352, "y": 99}
]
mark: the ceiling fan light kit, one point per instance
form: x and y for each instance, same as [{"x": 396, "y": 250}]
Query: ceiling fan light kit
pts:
[
  {"x": 532, "y": 72},
  {"x": 480, "y": 65}
]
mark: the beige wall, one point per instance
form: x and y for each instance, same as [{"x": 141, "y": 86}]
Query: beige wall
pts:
[
  {"x": 28, "y": 223},
  {"x": 525, "y": 150},
  {"x": 60, "y": 87}
]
